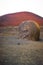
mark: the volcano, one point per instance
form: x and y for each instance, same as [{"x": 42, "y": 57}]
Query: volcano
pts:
[{"x": 15, "y": 19}]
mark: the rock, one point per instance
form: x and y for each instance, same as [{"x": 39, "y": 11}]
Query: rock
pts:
[{"x": 29, "y": 30}]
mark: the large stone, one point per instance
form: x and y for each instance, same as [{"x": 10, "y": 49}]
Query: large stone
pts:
[{"x": 29, "y": 30}]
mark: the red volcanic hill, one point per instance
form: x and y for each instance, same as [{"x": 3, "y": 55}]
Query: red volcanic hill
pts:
[{"x": 16, "y": 18}]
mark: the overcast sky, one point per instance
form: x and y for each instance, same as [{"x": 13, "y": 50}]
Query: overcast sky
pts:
[{"x": 13, "y": 6}]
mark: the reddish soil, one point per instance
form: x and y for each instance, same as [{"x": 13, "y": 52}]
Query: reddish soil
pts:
[{"x": 14, "y": 19}]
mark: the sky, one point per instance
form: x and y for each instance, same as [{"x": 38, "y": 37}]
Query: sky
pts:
[{"x": 13, "y": 6}]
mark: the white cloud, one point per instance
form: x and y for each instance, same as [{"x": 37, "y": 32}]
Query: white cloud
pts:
[{"x": 10, "y": 6}]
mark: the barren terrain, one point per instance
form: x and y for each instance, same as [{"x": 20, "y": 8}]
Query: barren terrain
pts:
[{"x": 16, "y": 51}]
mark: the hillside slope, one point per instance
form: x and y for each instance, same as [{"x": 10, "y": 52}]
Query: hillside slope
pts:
[{"x": 14, "y": 19}]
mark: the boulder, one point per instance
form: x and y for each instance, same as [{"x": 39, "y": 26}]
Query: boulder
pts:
[{"x": 29, "y": 30}]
